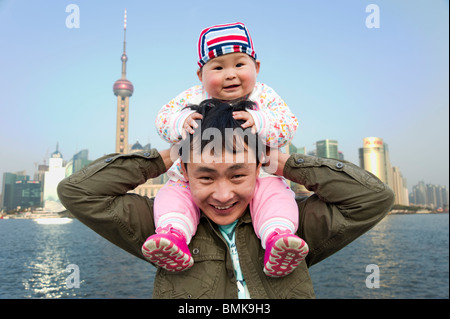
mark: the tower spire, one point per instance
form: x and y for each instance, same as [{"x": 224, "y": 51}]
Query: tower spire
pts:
[
  {"x": 124, "y": 54},
  {"x": 123, "y": 89}
]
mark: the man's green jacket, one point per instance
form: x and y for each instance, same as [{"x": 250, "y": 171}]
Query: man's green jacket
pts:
[{"x": 347, "y": 202}]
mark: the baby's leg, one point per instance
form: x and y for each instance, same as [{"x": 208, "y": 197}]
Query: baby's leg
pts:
[
  {"x": 275, "y": 219},
  {"x": 176, "y": 220},
  {"x": 174, "y": 206},
  {"x": 273, "y": 207}
]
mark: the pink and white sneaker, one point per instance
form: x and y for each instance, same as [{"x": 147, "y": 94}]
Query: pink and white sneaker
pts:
[
  {"x": 284, "y": 252},
  {"x": 168, "y": 249}
]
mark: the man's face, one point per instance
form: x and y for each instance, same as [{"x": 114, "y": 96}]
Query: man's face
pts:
[
  {"x": 223, "y": 190},
  {"x": 230, "y": 76}
]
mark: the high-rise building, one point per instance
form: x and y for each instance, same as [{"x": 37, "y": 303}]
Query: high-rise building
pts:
[
  {"x": 78, "y": 161},
  {"x": 419, "y": 194},
  {"x": 430, "y": 195},
  {"x": 399, "y": 187},
  {"x": 374, "y": 157},
  {"x": 437, "y": 196},
  {"x": 56, "y": 173},
  {"x": 20, "y": 191},
  {"x": 327, "y": 148},
  {"x": 123, "y": 89},
  {"x": 27, "y": 194},
  {"x": 444, "y": 195},
  {"x": 300, "y": 150}
]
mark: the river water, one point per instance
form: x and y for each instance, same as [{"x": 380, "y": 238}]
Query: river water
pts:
[{"x": 403, "y": 257}]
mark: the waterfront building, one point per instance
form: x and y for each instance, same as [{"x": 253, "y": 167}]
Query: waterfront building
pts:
[
  {"x": 437, "y": 196},
  {"x": 399, "y": 187},
  {"x": 444, "y": 194},
  {"x": 27, "y": 194},
  {"x": 78, "y": 161},
  {"x": 20, "y": 192},
  {"x": 123, "y": 89},
  {"x": 40, "y": 173},
  {"x": 419, "y": 194},
  {"x": 299, "y": 150},
  {"x": 56, "y": 173},
  {"x": 137, "y": 147},
  {"x": 327, "y": 149},
  {"x": 430, "y": 195},
  {"x": 8, "y": 182},
  {"x": 374, "y": 157}
]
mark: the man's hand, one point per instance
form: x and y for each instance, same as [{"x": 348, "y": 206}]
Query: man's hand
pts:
[
  {"x": 167, "y": 157},
  {"x": 275, "y": 161}
]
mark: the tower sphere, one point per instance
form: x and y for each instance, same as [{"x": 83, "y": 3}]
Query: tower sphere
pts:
[{"x": 123, "y": 88}]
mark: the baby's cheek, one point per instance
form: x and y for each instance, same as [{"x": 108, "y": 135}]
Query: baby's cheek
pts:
[{"x": 213, "y": 86}]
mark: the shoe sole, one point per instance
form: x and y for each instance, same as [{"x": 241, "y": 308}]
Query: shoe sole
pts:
[
  {"x": 166, "y": 254},
  {"x": 286, "y": 254}
]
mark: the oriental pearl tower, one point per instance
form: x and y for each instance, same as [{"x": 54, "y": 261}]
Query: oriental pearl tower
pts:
[{"x": 123, "y": 89}]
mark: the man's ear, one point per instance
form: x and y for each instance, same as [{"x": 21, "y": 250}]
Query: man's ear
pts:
[
  {"x": 258, "y": 168},
  {"x": 184, "y": 170}
]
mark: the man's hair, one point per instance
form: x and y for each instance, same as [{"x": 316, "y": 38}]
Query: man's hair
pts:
[{"x": 218, "y": 131}]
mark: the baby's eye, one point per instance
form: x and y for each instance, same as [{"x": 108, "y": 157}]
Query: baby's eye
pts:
[
  {"x": 218, "y": 68},
  {"x": 239, "y": 65}
]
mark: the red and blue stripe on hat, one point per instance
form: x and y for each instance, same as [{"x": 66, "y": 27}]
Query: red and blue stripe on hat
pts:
[{"x": 224, "y": 39}]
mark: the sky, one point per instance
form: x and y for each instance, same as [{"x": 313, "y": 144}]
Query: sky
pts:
[{"x": 347, "y": 69}]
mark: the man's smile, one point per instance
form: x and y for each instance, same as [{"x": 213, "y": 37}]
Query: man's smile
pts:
[{"x": 223, "y": 209}]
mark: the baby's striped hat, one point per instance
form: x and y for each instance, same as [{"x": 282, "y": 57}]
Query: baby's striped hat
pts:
[{"x": 223, "y": 39}]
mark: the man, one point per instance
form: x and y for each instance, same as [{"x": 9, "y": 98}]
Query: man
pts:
[{"x": 347, "y": 202}]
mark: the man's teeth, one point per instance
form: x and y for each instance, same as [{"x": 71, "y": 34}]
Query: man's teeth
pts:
[{"x": 223, "y": 207}]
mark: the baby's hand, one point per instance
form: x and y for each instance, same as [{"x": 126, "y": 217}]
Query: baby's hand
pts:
[
  {"x": 189, "y": 123},
  {"x": 247, "y": 117}
]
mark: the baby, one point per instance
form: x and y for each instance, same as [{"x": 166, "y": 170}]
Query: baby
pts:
[{"x": 227, "y": 70}]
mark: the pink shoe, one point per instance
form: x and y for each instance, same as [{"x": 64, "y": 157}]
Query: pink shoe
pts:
[
  {"x": 168, "y": 249},
  {"x": 284, "y": 252}
]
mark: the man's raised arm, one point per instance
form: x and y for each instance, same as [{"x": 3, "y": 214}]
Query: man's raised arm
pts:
[
  {"x": 98, "y": 196},
  {"x": 347, "y": 201}
]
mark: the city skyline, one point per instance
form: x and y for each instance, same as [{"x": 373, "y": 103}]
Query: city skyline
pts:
[
  {"x": 343, "y": 80},
  {"x": 334, "y": 145}
]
